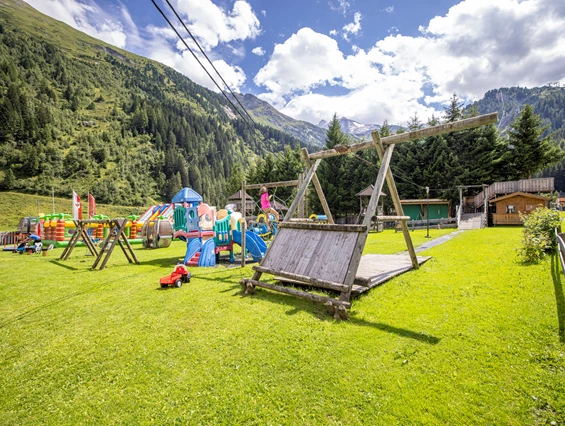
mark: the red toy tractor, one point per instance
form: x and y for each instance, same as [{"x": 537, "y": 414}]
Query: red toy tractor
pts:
[{"x": 180, "y": 275}]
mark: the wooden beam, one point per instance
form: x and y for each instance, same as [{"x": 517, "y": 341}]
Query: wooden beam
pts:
[
  {"x": 273, "y": 184},
  {"x": 318, "y": 187},
  {"x": 302, "y": 190},
  {"x": 397, "y": 205},
  {"x": 243, "y": 222},
  {"x": 469, "y": 123},
  {"x": 323, "y": 227},
  {"x": 391, "y": 218},
  {"x": 297, "y": 293},
  {"x": 303, "y": 279},
  {"x": 378, "y": 188}
]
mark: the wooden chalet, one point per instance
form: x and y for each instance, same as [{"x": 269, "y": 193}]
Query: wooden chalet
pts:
[
  {"x": 509, "y": 207},
  {"x": 236, "y": 199}
]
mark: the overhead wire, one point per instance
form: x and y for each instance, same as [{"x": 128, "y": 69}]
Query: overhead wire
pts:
[
  {"x": 208, "y": 59},
  {"x": 198, "y": 60}
]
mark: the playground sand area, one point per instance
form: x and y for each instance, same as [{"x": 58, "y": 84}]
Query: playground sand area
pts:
[{"x": 470, "y": 337}]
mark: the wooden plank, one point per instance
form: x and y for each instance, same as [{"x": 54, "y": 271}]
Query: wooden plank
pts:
[
  {"x": 272, "y": 184},
  {"x": 324, "y": 226},
  {"x": 318, "y": 187},
  {"x": 301, "y": 191},
  {"x": 313, "y": 253},
  {"x": 298, "y": 293},
  {"x": 397, "y": 204},
  {"x": 304, "y": 279},
  {"x": 441, "y": 129}
]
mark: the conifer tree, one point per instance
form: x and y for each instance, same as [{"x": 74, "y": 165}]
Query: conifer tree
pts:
[{"x": 530, "y": 152}]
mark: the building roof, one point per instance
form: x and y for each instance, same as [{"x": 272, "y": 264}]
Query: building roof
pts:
[
  {"x": 187, "y": 195},
  {"x": 522, "y": 194},
  {"x": 367, "y": 192},
  {"x": 237, "y": 196},
  {"x": 425, "y": 201}
]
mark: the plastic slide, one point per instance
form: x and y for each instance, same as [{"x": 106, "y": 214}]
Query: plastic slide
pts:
[
  {"x": 255, "y": 245},
  {"x": 208, "y": 254},
  {"x": 146, "y": 215},
  {"x": 191, "y": 249}
]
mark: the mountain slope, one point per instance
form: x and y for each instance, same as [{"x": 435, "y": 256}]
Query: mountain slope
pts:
[
  {"x": 266, "y": 114},
  {"x": 76, "y": 113}
]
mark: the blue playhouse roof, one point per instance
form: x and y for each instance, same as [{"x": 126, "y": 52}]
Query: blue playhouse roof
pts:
[{"x": 187, "y": 195}]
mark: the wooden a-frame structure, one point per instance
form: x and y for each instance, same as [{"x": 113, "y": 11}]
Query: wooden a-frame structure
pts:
[
  {"x": 116, "y": 235},
  {"x": 327, "y": 256}
]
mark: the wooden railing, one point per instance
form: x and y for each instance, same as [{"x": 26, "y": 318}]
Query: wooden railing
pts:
[{"x": 524, "y": 185}]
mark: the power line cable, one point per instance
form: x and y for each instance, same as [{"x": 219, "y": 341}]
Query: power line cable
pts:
[
  {"x": 208, "y": 59},
  {"x": 198, "y": 60}
]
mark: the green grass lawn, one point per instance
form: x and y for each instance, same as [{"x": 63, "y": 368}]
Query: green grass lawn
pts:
[{"x": 472, "y": 337}]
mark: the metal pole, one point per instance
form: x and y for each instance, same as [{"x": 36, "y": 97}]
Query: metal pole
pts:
[{"x": 428, "y": 211}]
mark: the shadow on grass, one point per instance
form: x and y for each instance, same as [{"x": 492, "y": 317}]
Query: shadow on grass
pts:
[
  {"x": 62, "y": 265},
  {"x": 166, "y": 261},
  {"x": 45, "y": 305},
  {"x": 402, "y": 332},
  {"x": 557, "y": 276},
  {"x": 320, "y": 313}
]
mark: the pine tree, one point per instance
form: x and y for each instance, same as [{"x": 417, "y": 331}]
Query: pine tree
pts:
[{"x": 530, "y": 152}]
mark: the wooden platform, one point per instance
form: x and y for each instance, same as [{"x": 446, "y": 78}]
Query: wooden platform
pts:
[{"x": 376, "y": 269}]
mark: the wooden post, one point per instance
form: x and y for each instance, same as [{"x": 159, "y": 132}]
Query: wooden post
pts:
[
  {"x": 396, "y": 201},
  {"x": 243, "y": 223},
  {"x": 318, "y": 187},
  {"x": 301, "y": 212},
  {"x": 302, "y": 190}
]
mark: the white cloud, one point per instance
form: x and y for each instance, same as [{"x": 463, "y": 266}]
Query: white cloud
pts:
[
  {"x": 264, "y": 13},
  {"x": 87, "y": 17},
  {"x": 477, "y": 46},
  {"x": 389, "y": 9},
  {"x": 392, "y": 30},
  {"x": 353, "y": 27},
  {"x": 341, "y": 6},
  {"x": 259, "y": 51},
  {"x": 212, "y": 25},
  {"x": 333, "y": 32}
]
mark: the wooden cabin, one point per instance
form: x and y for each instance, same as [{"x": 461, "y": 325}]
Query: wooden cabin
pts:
[
  {"x": 509, "y": 207},
  {"x": 249, "y": 203},
  {"x": 418, "y": 209}
]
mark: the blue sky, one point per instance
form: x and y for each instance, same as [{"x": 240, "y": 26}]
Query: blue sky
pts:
[{"x": 368, "y": 60}]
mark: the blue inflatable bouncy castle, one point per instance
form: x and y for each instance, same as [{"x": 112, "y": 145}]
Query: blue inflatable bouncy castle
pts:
[{"x": 208, "y": 232}]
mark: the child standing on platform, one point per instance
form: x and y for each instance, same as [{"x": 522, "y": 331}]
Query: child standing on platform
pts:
[{"x": 266, "y": 205}]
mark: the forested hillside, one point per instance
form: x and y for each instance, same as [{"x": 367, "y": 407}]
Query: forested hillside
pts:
[
  {"x": 547, "y": 101},
  {"x": 78, "y": 114}
]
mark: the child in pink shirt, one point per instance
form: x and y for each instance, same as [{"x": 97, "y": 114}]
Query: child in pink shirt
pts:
[{"x": 266, "y": 205}]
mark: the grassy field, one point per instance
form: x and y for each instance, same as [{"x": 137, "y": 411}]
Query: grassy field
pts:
[
  {"x": 14, "y": 206},
  {"x": 472, "y": 337}
]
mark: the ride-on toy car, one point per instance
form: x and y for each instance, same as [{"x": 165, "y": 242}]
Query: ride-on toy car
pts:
[{"x": 180, "y": 275}]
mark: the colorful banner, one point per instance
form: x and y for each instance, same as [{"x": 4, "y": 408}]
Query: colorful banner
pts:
[
  {"x": 91, "y": 206},
  {"x": 77, "y": 207}
]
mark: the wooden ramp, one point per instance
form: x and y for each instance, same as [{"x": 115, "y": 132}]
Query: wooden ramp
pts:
[{"x": 374, "y": 270}]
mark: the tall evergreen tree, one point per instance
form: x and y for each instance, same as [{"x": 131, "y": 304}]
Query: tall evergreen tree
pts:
[{"x": 530, "y": 152}]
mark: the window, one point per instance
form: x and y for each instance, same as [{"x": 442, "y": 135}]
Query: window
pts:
[{"x": 510, "y": 209}]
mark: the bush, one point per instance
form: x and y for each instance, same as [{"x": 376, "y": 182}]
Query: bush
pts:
[{"x": 539, "y": 234}]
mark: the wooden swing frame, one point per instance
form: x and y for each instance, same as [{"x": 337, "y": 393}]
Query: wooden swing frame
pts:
[{"x": 327, "y": 256}]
